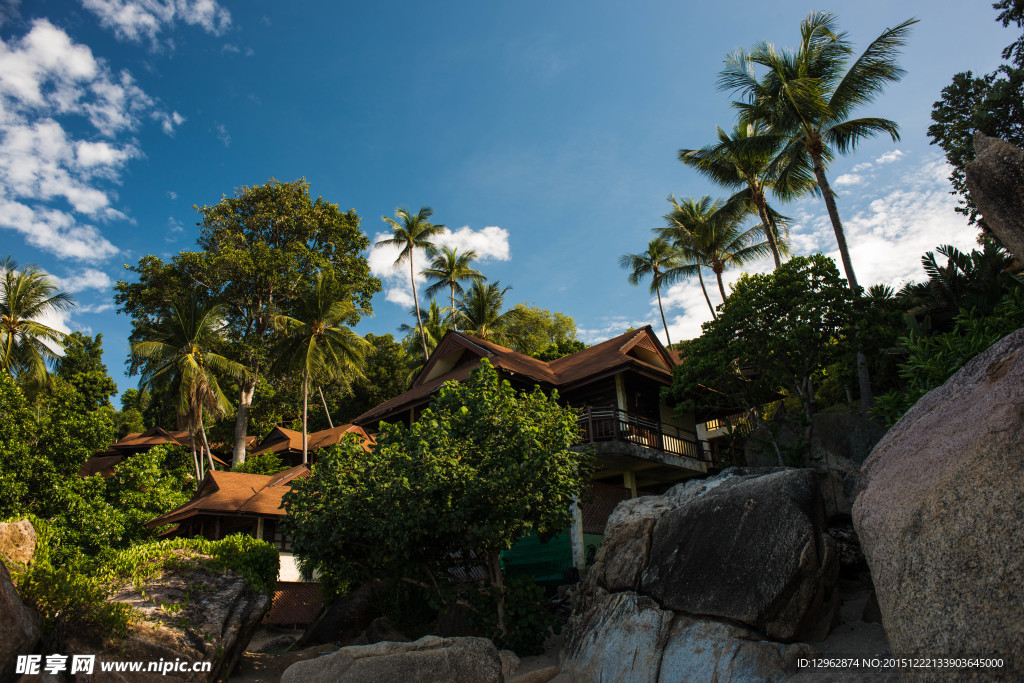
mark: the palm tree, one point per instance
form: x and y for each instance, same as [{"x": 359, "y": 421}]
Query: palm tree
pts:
[
  {"x": 481, "y": 308},
  {"x": 708, "y": 233},
  {"x": 659, "y": 259},
  {"x": 807, "y": 96},
  {"x": 177, "y": 352},
  {"x": 414, "y": 232},
  {"x": 434, "y": 326},
  {"x": 27, "y": 345},
  {"x": 744, "y": 161},
  {"x": 318, "y": 342},
  {"x": 448, "y": 268}
]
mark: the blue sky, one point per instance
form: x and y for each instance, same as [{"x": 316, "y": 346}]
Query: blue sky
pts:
[{"x": 543, "y": 134}]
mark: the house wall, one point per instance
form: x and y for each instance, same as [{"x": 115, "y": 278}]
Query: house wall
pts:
[{"x": 288, "y": 570}]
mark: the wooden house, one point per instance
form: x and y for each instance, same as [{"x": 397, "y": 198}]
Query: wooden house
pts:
[
  {"x": 132, "y": 444},
  {"x": 287, "y": 443}
]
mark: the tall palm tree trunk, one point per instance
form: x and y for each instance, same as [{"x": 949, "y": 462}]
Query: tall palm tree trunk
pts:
[
  {"x": 662, "y": 310},
  {"x": 721, "y": 286},
  {"x": 416, "y": 301},
  {"x": 206, "y": 444},
  {"x": 455, "y": 325},
  {"x": 305, "y": 403},
  {"x": 769, "y": 227},
  {"x": 863, "y": 373},
  {"x": 326, "y": 412},
  {"x": 704, "y": 289},
  {"x": 195, "y": 458}
]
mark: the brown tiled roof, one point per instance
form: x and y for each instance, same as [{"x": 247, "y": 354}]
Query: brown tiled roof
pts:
[
  {"x": 281, "y": 440},
  {"x": 599, "y": 359},
  {"x": 238, "y": 493},
  {"x": 100, "y": 464}
]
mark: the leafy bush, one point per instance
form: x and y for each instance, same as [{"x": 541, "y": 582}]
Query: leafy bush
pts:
[
  {"x": 67, "y": 596},
  {"x": 261, "y": 463},
  {"x": 528, "y": 620},
  {"x": 933, "y": 360}
]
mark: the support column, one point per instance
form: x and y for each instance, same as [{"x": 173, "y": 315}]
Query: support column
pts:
[
  {"x": 629, "y": 482},
  {"x": 259, "y": 528},
  {"x": 579, "y": 556}
]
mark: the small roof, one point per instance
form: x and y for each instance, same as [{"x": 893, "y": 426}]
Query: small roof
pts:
[
  {"x": 281, "y": 440},
  {"x": 236, "y": 493},
  {"x": 458, "y": 354}
]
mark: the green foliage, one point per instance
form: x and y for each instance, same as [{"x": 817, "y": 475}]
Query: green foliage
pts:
[
  {"x": 534, "y": 330},
  {"x": 992, "y": 104},
  {"x": 385, "y": 369},
  {"x": 481, "y": 468},
  {"x": 257, "y": 561},
  {"x": 261, "y": 463},
  {"x": 66, "y": 595},
  {"x": 82, "y": 366},
  {"x": 932, "y": 360},
  {"x": 776, "y": 331},
  {"x": 559, "y": 349},
  {"x": 528, "y": 620}
]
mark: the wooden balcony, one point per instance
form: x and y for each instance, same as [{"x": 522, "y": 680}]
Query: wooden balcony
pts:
[{"x": 612, "y": 424}]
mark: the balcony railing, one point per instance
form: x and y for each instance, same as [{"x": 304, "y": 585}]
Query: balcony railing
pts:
[{"x": 612, "y": 424}]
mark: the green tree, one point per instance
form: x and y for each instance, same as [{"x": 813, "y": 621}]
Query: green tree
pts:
[
  {"x": 482, "y": 310},
  {"x": 448, "y": 268},
  {"x": 560, "y": 350},
  {"x": 992, "y": 104},
  {"x": 385, "y": 371},
  {"x": 317, "y": 342},
  {"x": 806, "y": 97},
  {"x": 743, "y": 161},
  {"x": 659, "y": 259},
  {"x": 182, "y": 359},
  {"x": 26, "y": 344},
  {"x": 82, "y": 365},
  {"x": 776, "y": 332},
  {"x": 433, "y": 324},
  {"x": 483, "y": 467},
  {"x": 533, "y": 329},
  {"x": 708, "y": 233},
  {"x": 414, "y": 232},
  {"x": 257, "y": 249}
]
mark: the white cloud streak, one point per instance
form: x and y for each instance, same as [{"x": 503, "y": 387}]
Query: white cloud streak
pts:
[
  {"x": 90, "y": 278},
  {"x": 143, "y": 20}
]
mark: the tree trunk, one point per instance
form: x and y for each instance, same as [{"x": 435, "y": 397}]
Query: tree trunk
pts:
[
  {"x": 326, "y": 412},
  {"x": 195, "y": 459},
  {"x": 416, "y": 301},
  {"x": 704, "y": 289},
  {"x": 867, "y": 397},
  {"x": 242, "y": 420},
  {"x": 305, "y": 401},
  {"x": 455, "y": 325},
  {"x": 669, "y": 339},
  {"x": 721, "y": 287},
  {"x": 769, "y": 227},
  {"x": 833, "y": 214},
  {"x": 206, "y": 444},
  {"x": 498, "y": 583}
]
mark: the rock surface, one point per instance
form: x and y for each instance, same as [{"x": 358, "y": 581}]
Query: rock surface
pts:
[
  {"x": 737, "y": 560},
  {"x": 218, "y": 617},
  {"x": 20, "y": 628},
  {"x": 995, "y": 180},
  {"x": 940, "y": 515},
  {"x": 430, "y": 659},
  {"x": 17, "y": 542},
  {"x": 380, "y": 630}
]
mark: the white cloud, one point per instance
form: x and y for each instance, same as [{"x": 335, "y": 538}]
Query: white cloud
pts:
[
  {"x": 611, "y": 326},
  {"x": 848, "y": 179},
  {"x": 172, "y": 194},
  {"x": 96, "y": 308},
  {"x": 862, "y": 167},
  {"x": 53, "y": 168},
  {"x": 138, "y": 20},
  {"x": 222, "y": 134},
  {"x": 174, "y": 229},
  {"x": 228, "y": 47},
  {"x": 490, "y": 244},
  {"x": 169, "y": 122},
  {"x": 889, "y": 157},
  {"x": 90, "y": 278}
]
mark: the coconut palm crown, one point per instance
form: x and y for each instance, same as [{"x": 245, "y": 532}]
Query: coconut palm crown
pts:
[
  {"x": 26, "y": 344},
  {"x": 661, "y": 263},
  {"x": 449, "y": 268}
]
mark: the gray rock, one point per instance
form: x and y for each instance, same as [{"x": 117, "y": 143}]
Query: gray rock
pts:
[
  {"x": 278, "y": 644},
  {"x": 430, "y": 659},
  {"x": 995, "y": 180},
  {"x": 20, "y": 628},
  {"x": 218, "y": 616},
  {"x": 17, "y": 542},
  {"x": 940, "y": 515},
  {"x": 752, "y": 550},
  {"x": 537, "y": 675}
]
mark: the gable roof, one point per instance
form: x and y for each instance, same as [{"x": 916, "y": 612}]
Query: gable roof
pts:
[
  {"x": 281, "y": 440},
  {"x": 638, "y": 349},
  {"x": 236, "y": 493}
]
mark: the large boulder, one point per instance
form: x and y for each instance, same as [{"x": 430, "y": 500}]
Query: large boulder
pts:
[
  {"x": 995, "y": 180},
  {"x": 191, "y": 611},
  {"x": 431, "y": 659},
  {"x": 20, "y": 628},
  {"x": 941, "y": 511},
  {"x": 17, "y": 542},
  {"x": 741, "y": 558}
]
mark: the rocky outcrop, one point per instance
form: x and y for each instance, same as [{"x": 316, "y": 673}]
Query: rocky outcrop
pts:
[
  {"x": 739, "y": 561},
  {"x": 20, "y": 628},
  {"x": 940, "y": 515},
  {"x": 430, "y": 659},
  {"x": 995, "y": 180},
  {"x": 192, "y": 612},
  {"x": 840, "y": 442},
  {"x": 17, "y": 542}
]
